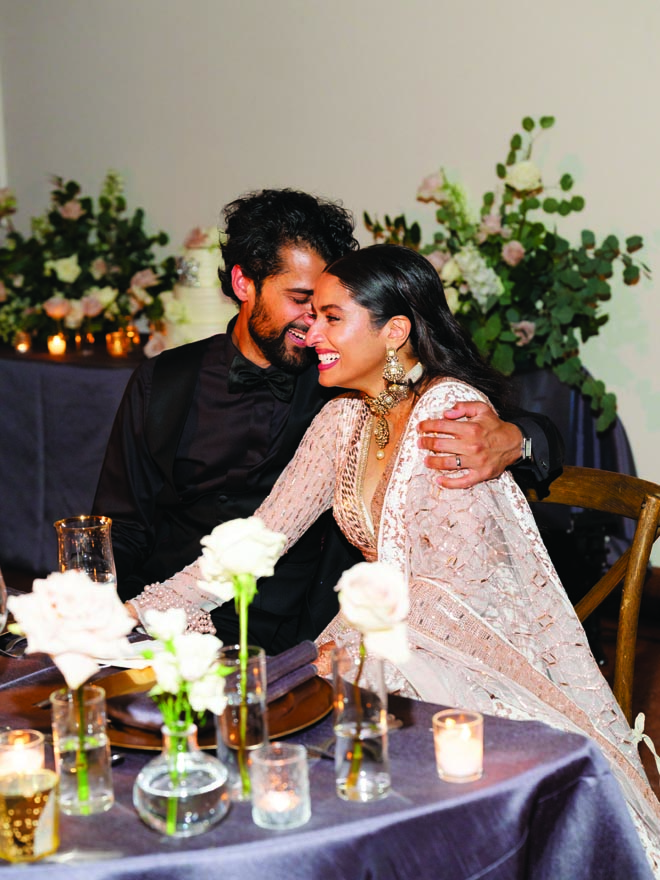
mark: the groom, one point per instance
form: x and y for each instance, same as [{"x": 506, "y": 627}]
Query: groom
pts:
[{"x": 204, "y": 430}]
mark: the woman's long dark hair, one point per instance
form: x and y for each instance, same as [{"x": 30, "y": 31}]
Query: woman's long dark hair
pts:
[{"x": 389, "y": 280}]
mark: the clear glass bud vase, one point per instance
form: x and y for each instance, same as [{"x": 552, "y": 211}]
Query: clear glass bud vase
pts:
[
  {"x": 362, "y": 769},
  {"x": 183, "y": 791}
]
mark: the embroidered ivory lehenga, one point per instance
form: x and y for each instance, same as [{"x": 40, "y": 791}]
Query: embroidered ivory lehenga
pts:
[{"x": 490, "y": 625}]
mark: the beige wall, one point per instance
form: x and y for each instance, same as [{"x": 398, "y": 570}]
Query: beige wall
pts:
[{"x": 195, "y": 101}]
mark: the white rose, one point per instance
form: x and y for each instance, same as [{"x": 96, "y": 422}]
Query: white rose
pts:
[
  {"x": 74, "y": 317},
  {"x": 66, "y": 269},
  {"x": 165, "y": 625},
  {"x": 524, "y": 176},
  {"x": 238, "y": 547},
  {"x": 75, "y": 621},
  {"x": 208, "y": 694},
  {"x": 374, "y": 599},
  {"x": 166, "y": 671},
  {"x": 451, "y": 295},
  {"x": 105, "y": 295},
  {"x": 450, "y": 272},
  {"x": 197, "y": 654}
]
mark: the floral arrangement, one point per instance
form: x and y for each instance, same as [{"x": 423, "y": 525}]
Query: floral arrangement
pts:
[
  {"x": 373, "y": 598},
  {"x": 74, "y": 620},
  {"x": 86, "y": 267},
  {"x": 234, "y": 555},
  {"x": 525, "y": 294},
  {"x": 189, "y": 682}
]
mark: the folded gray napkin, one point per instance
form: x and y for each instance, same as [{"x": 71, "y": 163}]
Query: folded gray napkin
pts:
[{"x": 284, "y": 672}]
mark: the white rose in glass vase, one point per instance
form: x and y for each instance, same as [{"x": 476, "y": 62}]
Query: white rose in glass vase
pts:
[{"x": 75, "y": 621}]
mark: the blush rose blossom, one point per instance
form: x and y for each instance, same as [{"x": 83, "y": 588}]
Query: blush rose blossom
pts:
[
  {"x": 57, "y": 307},
  {"x": 525, "y": 331},
  {"x": 71, "y": 210},
  {"x": 512, "y": 253}
]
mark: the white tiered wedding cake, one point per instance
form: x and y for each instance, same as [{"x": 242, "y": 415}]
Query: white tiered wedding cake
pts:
[{"x": 202, "y": 307}]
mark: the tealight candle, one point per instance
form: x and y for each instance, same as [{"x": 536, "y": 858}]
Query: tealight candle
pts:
[
  {"x": 57, "y": 344},
  {"x": 117, "y": 343},
  {"x": 280, "y": 786},
  {"x": 21, "y": 751},
  {"x": 459, "y": 751},
  {"x": 22, "y": 342}
]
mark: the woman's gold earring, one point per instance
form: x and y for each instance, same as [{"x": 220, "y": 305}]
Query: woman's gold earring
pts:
[{"x": 393, "y": 371}]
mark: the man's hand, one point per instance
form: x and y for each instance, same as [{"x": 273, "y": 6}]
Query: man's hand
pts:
[{"x": 472, "y": 451}]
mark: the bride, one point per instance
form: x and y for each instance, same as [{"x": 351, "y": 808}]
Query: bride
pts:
[{"x": 490, "y": 625}]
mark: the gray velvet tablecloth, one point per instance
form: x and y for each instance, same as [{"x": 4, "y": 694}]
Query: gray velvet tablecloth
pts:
[
  {"x": 55, "y": 420},
  {"x": 547, "y": 808}
]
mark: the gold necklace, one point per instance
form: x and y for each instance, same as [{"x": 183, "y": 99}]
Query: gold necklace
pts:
[{"x": 380, "y": 406}]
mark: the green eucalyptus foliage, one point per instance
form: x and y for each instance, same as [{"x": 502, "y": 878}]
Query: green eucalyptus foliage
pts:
[{"x": 528, "y": 297}]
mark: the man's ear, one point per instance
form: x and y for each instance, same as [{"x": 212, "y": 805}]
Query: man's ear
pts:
[
  {"x": 398, "y": 331},
  {"x": 242, "y": 285}
]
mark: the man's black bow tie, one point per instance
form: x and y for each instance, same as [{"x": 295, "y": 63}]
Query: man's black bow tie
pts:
[{"x": 244, "y": 376}]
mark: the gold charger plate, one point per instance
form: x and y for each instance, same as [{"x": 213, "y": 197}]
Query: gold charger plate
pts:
[{"x": 300, "y": 708}]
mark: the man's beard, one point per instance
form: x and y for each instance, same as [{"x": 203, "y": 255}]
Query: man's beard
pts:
[{"x": 273, "y": 344}]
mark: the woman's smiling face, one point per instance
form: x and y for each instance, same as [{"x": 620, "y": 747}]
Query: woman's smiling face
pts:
[{"x": 351, "y": 351}]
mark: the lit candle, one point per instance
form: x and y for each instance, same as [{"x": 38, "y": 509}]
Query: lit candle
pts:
[
  {"x": 22, "y": 342},
  {"x": 116, "y": 343},
  {"x": 21, "y": 751},
  {"x": 57, "y": 344},
  {"x": 458, "y": 738},
  {"x": 280, "y": 786}
]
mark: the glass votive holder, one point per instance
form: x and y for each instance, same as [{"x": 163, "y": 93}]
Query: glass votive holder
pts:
[
  {"x": 57, "y": 344},
  {"x": 29, "y": 829},
  {"x": 22, "y": 342},
  {"x": 458, "y": 736},
  {"x": 21, "y": 751},
  {"x": 280, "y": 786},
  {"x": 118, "y": 343}
]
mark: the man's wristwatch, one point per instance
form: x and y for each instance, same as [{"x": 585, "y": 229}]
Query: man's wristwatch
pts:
[{"x": 525, "y": 449}]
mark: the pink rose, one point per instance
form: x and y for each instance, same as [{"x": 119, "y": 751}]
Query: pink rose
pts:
[
  {"x": 513, "y": 252},
  {"x": 490, "y": 225},
  {"x": 438, "y": 259},
  {"x": 144, "y": 278},
  {"x": 98, "y": 268},
  {"x": 196, "y": 238},
  {"x": 525, "y": 331},
  {"x": 57, "y": 307},
  {"x": 3, "y": 293},
  {"x": 430, "y": 189},
  {"x": 91, "y": 306},
  {"x": 71, "y": 210}
]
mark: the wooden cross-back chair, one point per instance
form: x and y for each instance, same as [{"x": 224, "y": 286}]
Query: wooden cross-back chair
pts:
[{"x": 636, "y": 499}]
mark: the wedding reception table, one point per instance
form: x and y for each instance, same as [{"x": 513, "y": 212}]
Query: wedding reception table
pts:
[
  {"x": 546, "y": 808},
  {"x": 55, "y": 420}
]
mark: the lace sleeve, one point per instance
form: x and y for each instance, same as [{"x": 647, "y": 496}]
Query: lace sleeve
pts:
[{"x": 305, "y": 488}]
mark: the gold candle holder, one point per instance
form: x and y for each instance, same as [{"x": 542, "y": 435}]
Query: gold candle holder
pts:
[
  {"x": 29, "y": 817},
  {"x": 117, "y": 343},
  {"x": 57, "y": 345},
  {"x": 21, "y": 751},
  {"x": 22, "y": 342}
]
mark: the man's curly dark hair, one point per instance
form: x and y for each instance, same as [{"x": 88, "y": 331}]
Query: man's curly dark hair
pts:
[{"x": 258, "y": 225}]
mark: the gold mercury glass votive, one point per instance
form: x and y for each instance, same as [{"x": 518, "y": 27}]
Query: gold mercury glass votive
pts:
[{"x": 29, "y": 817}]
